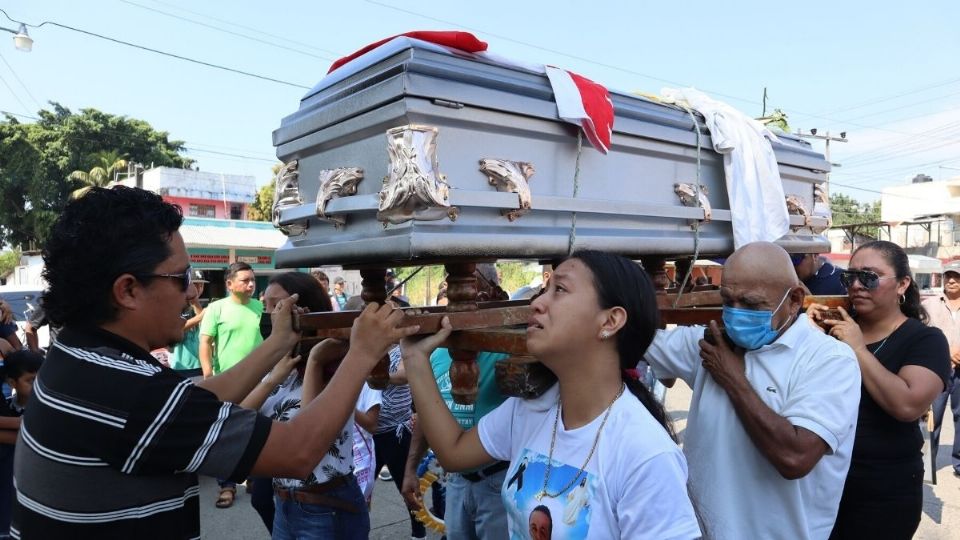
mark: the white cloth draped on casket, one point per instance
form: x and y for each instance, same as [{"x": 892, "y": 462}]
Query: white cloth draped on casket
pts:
[{"x": 750, "y": 167}]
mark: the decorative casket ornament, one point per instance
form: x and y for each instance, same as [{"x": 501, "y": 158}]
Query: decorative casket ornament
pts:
[
  {"x": 511, "y": 177},
  {"x": 286, "y": 194},
  {"x": 341, "y": 182},
  {"x": 414, "y": 189}
]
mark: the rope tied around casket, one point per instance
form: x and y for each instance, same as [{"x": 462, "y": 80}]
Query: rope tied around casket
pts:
[
  {"x": 572, "y": 236},
  {"x": 696, "y": 223}
]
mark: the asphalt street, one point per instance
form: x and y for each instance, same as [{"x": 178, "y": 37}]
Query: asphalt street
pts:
[{"x": 940, "y": 521}]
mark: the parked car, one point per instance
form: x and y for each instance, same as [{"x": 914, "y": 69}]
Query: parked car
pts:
[{"x": 23, "y": 299}]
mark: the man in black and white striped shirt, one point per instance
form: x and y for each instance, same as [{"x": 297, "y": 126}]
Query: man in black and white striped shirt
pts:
[{"x": 113, "y": 441}]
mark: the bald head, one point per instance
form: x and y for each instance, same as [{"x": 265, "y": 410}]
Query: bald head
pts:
[{"x": 761, "y": 265}]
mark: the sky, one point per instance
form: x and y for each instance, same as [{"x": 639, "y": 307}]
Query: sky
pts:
[{"x": 885, "y": 73}]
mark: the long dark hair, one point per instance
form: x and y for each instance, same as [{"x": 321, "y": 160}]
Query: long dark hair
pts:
[
  {"x": 312, "y": 294},
  {"x": 897, "y": 258},
  {"x": 622, "y": 282}
]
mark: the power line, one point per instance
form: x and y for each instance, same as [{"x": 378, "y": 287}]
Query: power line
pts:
[
  {"x": 17, "y": 77},
  {"x": 15, "y": 96},
  {"x": 157, "y": 51},
  {"x": 907, "y": 106},
  {"x": 232, "y": 33},
  {"x": 250, "y": 29},
  {"x": 245, "y": 151},
  {"x": 191, "y": 147},
  {"x": 254, "y": 158},
  {"x": 887, "y": 174},
  {"x": 895, "y": 96},
  {"x": 884, "y": 149},
  {"x": 898, "y": 195},
  {"x": 893, "y": 142},
  {"x": 553, "y": 51},
  {"x": 621, "y": 69}
]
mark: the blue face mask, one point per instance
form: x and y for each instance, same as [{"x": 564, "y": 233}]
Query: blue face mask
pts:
[{"x": 752, "y": 329}]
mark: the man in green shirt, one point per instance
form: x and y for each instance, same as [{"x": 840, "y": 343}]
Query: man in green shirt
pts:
[
  {"x": 229, "y": 331},
  {"x": 231, "y": 325}
]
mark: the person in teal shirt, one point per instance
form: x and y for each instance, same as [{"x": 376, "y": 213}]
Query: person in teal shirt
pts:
[
  {"x": 473, "y": 507},
  {"x": 185, "y": 356}
]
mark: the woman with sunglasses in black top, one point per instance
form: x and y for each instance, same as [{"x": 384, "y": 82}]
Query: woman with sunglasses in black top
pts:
[{"x": 904, "y": 365}]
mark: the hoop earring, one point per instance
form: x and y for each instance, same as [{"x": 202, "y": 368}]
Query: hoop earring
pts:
[{"x": 903, "y": 298}]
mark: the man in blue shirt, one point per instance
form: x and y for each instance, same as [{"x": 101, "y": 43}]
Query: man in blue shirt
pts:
[{"x": 819, "y": 276}]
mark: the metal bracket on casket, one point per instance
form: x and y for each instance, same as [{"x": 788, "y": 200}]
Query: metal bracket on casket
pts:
[
  {"x": 414, "y": 189},
  {"x": 340, "y": 182},
  {"x": 796, "y": 207},
  {"x": 690, "y": 197},
  {"x": 511, "y": 177},
  {"x": 286, "y": 194}
]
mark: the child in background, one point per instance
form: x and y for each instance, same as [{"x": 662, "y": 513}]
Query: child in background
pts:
[
  {"x": 364, "y": 456},
  {"x": 19, "y": 370}
]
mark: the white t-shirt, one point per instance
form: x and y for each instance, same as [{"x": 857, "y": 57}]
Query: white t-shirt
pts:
[
  {"x": 807, "y": 377},
  {"x": 364, "y": 456},
  {"x": 282, "y": 405},
  {"x": 633, "y": 487}
]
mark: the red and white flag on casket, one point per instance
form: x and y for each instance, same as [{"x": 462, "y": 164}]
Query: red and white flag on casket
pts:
[
  {"x": 580, "y": 101},
  {"x": 585, "y": 103}
]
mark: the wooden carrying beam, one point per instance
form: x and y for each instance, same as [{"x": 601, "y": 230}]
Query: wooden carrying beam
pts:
[{"x": 337, "y": 324}]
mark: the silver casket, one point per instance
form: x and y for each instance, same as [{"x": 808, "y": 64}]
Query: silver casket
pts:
[{"x": 415, "y": 154}]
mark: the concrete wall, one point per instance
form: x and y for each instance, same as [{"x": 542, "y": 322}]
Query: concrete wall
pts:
[{"x": 911, "y": 201}]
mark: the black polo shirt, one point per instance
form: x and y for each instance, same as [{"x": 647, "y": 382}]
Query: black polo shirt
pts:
[{"x": 112, "y": 443}]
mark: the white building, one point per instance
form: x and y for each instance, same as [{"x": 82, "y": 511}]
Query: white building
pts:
[
  {"x": 28, "y": 272},
  {"x": 201, "y": 194},
  {"x": 924, "y": 216}
]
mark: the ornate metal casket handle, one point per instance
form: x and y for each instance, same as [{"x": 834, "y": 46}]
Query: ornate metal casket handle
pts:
[
  {"x": 340, "y": 182},
  {"x": 796, "y": 207},
  {"x": 510, "y": 177},
  {"x": 690, "y": 197},
  {"x": 286, "y": 194},
  {"x": 414, "y": 189}
]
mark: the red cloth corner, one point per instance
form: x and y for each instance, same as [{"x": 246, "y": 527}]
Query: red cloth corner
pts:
[
  {"x": 598, "y": 125},
  {"x": 463, "y": 41}
]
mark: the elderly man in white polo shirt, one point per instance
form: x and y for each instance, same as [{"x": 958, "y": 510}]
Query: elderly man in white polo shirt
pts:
[{"x": 773, "y": 415}]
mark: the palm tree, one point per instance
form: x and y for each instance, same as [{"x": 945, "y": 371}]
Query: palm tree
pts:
[{"x": 106, "y": 165}]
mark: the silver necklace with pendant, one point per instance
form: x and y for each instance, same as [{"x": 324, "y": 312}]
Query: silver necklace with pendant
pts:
[{"x": 882, "y": 343}]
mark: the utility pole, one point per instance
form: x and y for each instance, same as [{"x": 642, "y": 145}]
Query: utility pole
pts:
[{"x": 812, "y": 134}]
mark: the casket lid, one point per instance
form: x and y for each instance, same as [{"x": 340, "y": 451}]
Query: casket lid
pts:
[{"x": 408, "y": 67}]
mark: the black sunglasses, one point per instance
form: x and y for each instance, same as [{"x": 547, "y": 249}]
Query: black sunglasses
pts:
[
  {"x": 185, "y": 277},
  {"x": 868, "y": 278}
]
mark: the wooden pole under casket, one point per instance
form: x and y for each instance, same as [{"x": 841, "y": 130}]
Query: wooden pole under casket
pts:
[{"x": 462, "y": 296}]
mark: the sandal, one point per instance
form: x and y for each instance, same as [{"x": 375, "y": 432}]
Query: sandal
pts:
[{"x": 226, "y": 497}]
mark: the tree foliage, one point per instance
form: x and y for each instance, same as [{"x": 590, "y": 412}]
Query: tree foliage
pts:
[
  {"x": 36, "y": 160},
  {"x": 778, "y": 119},
  {"x": 422, "y": 288},
  {"x": 848, "y": 211},
  {"x": 107, "y": 164},
  {"x": 8, "y": 261},
  {"x": 262, "y": 207}
]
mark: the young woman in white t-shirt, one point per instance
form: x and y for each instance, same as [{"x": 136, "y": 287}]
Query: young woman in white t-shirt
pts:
[{"x": 593, "y": 457}]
